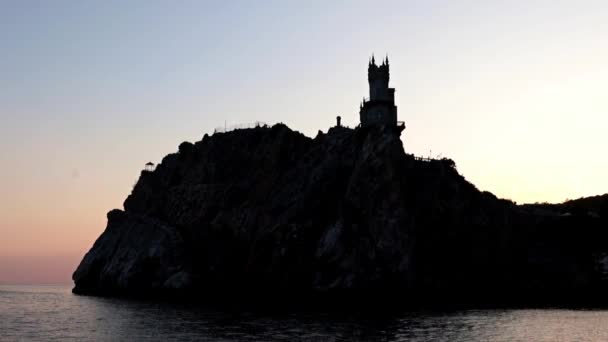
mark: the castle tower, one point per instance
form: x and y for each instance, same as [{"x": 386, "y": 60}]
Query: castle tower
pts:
[{"x": 380, "y": 107}]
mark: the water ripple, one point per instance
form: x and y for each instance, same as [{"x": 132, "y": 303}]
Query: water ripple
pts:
[{"x": 52, "y": 313}]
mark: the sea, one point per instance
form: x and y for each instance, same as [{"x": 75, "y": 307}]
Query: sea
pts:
[{"x": 53, "y": 313}]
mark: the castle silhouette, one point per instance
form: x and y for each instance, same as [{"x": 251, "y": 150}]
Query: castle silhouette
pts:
[{"x": 379, "y": 108}]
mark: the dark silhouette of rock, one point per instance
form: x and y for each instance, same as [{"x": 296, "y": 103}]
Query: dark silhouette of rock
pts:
[{"x": 269, "y": 211}]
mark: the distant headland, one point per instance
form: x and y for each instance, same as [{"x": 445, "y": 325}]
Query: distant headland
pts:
[{"x": 266, "y": 212}]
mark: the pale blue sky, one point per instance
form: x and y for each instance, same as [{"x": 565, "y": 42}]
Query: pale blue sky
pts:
[{"x": 513, "y": 91}]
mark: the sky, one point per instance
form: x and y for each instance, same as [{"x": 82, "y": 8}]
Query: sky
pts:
[{"x": 513, "y": 91}]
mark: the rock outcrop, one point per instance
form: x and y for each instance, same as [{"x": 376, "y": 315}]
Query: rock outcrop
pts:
[{"x": 268, "y": 210}]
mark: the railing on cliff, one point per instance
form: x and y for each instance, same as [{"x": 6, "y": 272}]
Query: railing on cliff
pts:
[
  {"x": 235, "y": 127},
  {"x": 423, "y": 159},
  {"x": 445, "y": 161}
]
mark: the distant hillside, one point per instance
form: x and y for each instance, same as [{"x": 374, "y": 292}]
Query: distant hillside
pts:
[{"x": 595, "y": 206}]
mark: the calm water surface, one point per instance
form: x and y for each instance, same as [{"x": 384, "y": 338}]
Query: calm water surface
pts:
[{"x": 52, "y": 313}]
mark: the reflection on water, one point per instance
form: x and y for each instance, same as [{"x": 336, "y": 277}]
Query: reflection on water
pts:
[{"x": 53, "y": 313}]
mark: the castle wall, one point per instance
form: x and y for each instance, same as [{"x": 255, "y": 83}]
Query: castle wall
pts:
[
  {"x": 378, "y": 90},
  {"x": 378, "y": 113}
]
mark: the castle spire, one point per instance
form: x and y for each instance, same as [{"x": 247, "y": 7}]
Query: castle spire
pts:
[
  {"x": 373, "y": 59},
  {"x": 387, "y": 59}
]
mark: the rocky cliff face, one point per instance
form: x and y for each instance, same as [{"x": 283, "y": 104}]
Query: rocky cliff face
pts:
[{"x": 268, "y": 209}]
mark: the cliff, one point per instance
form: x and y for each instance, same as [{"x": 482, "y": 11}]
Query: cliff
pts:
[{"x": 268, "y": 211}]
